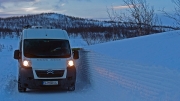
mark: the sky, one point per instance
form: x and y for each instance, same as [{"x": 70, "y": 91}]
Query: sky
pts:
[{"x": 96, "y": 9}]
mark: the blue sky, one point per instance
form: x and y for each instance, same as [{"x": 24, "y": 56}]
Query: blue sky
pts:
[{"x": 78, "y": 8}]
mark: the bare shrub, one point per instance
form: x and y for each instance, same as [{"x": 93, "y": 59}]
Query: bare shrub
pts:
[
  {"x": 176, "y": 13},
  {"x": 139, "y": 17}
]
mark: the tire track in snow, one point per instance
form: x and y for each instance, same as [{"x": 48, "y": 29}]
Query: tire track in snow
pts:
[{"x": 8, "y": 75}]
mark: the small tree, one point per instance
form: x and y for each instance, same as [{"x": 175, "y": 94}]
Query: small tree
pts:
[
  {"x": 140, "y": 16},
  {"x": 176, "y": 15}
]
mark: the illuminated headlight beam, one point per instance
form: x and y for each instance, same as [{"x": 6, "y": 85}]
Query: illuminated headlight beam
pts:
[{"x": 70, "y": 63}]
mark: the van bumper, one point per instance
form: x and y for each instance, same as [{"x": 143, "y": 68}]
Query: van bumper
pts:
[{"x": 26, "y": 79}]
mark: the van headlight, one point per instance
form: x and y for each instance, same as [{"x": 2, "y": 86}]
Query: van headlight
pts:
[
  {"x": 26, "y": 63},
  {"x": 70, "y": 63}
]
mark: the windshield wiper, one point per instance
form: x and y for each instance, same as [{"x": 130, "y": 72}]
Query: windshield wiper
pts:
[{"x": 58, "y": 48}]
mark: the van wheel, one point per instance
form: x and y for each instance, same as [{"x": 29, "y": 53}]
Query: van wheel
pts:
[
  {"x": 20, "y": 89},
  {"x": 71, "y": 88}
]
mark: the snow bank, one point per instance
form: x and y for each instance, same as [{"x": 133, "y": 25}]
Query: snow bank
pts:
[
  {"x": 157, "y": 50},
  {"x": 116, "y": 80},
  {"x": 138, "y": 69}
]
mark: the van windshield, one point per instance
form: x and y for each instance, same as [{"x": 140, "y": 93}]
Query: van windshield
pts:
[{"x": 46, "y": 48}]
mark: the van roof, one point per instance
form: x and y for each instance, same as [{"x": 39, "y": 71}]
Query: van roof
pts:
[{"x": 44, "y": 34}]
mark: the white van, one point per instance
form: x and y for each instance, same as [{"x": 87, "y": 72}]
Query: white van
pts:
[{"x": 45, "y": 59}]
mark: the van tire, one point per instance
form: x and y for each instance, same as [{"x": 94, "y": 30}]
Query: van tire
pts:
[{"x": 20, "y": 89}]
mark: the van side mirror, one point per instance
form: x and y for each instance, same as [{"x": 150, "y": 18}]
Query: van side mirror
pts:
[
  {"x": 75, "y": 54},
  {"x": 16, "y": 54}
]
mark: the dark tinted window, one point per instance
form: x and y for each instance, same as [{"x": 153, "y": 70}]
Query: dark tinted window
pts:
[{"x": 46, "y": 48}]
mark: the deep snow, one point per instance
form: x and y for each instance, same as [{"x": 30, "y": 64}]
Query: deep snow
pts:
[
  {"x": 158, "y": 49},
  {"x": 138, "y": 69}
]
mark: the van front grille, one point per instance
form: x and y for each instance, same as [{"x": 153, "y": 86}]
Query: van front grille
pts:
[{"x": 49, "y": 73}]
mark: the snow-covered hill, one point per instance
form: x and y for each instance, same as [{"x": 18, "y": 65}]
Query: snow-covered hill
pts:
[
  {"x": 137, "y": 69},
  {"x": 92, "y": 31}
]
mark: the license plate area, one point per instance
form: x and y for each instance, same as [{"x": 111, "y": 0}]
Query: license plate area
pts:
[{"x": 50, "y": 82}]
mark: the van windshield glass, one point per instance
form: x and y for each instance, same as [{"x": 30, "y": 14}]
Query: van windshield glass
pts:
[{"x": 46, "y": 48}]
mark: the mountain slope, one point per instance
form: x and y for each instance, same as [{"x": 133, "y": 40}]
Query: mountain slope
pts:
[{"x": 93, "y": 31}]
